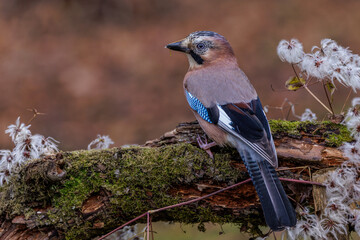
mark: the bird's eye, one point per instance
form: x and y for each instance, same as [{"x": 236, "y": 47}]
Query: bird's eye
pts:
[{"x": 200, "y": 46}]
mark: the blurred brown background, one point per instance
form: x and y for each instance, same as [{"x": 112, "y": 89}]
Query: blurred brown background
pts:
[{"x": 100, "y": 67}]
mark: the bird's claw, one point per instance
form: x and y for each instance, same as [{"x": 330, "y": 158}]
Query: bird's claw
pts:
[{"x": 203, "y": 144}]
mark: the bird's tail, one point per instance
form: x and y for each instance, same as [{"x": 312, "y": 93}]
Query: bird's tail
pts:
[{"x": 278, "y": 211}]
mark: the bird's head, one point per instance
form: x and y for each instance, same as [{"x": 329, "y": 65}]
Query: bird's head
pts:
[{"x": 204, "y": 48}]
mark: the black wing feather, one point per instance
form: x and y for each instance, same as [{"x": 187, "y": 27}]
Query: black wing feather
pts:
[
  {"x": 248, "y": 119},
  {"x": 245, "y": 122},
  {"x": 248, "y": 122},
  {"x": 259, "y": 113}
]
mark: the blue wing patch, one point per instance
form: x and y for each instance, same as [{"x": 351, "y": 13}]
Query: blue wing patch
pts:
[{"x": 197, "y": 106}]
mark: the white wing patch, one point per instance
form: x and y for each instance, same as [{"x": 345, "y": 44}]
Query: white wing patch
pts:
[{"x": 224, "y": 118}]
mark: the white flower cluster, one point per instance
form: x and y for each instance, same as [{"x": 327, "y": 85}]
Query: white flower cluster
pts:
[
  {"x": 330, "y": 61},
  {"x": 27, "y": 146},
  {"x": 342, "y": 192},
  {"x": 101, "y": 142}
]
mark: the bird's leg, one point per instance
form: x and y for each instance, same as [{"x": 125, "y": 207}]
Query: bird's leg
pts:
[{"x": 203, "y": 144}]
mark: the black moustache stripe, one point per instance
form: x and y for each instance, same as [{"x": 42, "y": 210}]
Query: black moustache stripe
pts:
[{"x": 196, "y": 57}]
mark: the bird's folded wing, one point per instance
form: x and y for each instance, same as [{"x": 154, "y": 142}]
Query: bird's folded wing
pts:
[{"x": 248, "y": 123}]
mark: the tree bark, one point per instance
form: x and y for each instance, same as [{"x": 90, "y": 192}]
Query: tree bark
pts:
[{"x": 84, "y": 194}]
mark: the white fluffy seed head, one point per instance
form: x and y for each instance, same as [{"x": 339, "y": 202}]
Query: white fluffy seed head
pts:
[
  {"x": 27, "y": 146},
  {"x": 333, "y": 226},
  {"x": 329, "y": 61},
  {"x": 291, "y": 52},
  {"x": 355, "y": 101},
  {"x": 352, "y": 152},
  {"x": 308, "y": 115},
  {"x": 307, "y": 227},
  {"x": 315, "y": 65},
  {"x": 101, "y": 142},
  {"x": 353, "y": 124},
  {"x": 18, "y": 131},
  {"x": 354, "y": 111},
  {"x": 348, "y": 75},
  {"x": 329, "y": 46},
  {"x": 335, "y": 206}
]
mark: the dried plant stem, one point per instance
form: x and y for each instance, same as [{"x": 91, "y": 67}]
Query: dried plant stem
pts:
[
  {"x": 317, "y": 99},
  {"x": 297, "y": 203},
  {"x": 35, "y": 114},
  {"x": 292, "y": 65},
  {"x": 148, "y": 226},
  {"x": 301, "y": 181},
  {"x": 311, "y": 93},
  {"x": 328, "y": 99},
  {"x": 151, "y": 230},
  {"x": 346, "y": 100}
]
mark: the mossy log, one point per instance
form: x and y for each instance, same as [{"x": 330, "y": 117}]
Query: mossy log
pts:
[{"x": 84, "y": 194}]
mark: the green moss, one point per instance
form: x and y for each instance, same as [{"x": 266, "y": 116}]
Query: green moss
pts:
[
  {"x": 290, "y": 128},
  {"x": 336, "y": 134},
  {"x": 329, "y": 133},
  {"x": 139, "y": 180},
  {"x": 134, "y": 180}
]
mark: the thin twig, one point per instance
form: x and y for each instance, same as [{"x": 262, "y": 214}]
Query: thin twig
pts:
[
  {"x": 287, "y": 115},
  {"x": 311, "y": 93},
  {"x": 282, "y": 107},
  {"x": 328, "y": 99},
  {"x": 346, "y": 100},
  {"x": 301, "y": 181},
  {"x": 151, "y": 230},
  {"x": 317, "y": 99},
  {"x": 274, "y": 235},
  {"x": 221, "y": 229},
  {"x": 292, "y": 65},
  {"x": 302, "y": 207},
  {"x": 148, "y": 226},
  {"x": 35, "y": 113}
]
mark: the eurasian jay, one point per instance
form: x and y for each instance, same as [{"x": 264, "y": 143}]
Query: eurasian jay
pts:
[{"x": 228, "y": 109}]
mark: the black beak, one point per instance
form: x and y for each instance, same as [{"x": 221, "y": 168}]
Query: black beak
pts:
[{"x": 177, "y": 46}]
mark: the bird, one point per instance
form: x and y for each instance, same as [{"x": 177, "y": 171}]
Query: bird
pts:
[{"x": 228, "y": 109}]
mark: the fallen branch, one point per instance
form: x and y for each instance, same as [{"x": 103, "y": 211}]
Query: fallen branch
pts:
[{"x": 83, "y": 194}]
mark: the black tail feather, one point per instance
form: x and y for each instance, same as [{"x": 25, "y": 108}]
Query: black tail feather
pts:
[{"x": 278, "y": 211}]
